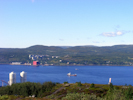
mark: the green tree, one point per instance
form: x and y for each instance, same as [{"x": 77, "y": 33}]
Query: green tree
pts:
[{"x": 128, "y": 93}]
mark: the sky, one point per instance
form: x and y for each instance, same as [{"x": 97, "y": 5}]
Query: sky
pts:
[{"x": 24, "y": 23}]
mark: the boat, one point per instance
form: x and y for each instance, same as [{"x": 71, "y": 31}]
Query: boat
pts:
[
  {"x": 76, "y": 69},
  {"x": 69, "y": 74}
]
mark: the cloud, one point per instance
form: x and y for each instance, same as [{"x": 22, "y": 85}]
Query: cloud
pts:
[
  {"x": 113, "y": 34},
  {"x": 61, "y": 39},
  {"x": 119, "y": 33},
  {"x": 96, "y": 42},
  {"x": 109, "y": 34},
  {"x": 116, "y": 32}
]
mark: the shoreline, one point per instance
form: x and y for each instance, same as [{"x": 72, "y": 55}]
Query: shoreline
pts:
[{"x": 64, "y": 65}]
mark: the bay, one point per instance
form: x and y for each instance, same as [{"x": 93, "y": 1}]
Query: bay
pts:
[{"x": 120, "y": 75}]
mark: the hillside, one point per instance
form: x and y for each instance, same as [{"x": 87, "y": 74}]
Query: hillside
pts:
[
  {"x": 65, "y": 91},
  {"x": 78, "y": 55}
]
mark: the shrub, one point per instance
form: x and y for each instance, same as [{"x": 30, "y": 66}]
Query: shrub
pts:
[
  {"x": 47, "y": 86},
  {"x": 78, "y": 96},
  {"x": 65, "y": 82},
  {"x": 79, "y": 83},
  {"x": 115, "y": 95},
  {"x": 92, "y": 85},
  {"x": 111, "y": 87},
  {"x": 4, "y": 97},
  {"x": 128, "y": 93}
]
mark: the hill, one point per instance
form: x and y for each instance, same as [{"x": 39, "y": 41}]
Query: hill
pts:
[
  {"x": 65, "y": 91},
  {"x": 78, "y": 55}
]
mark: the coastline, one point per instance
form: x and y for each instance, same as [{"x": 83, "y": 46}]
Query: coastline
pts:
[{"x": 61, "y": 65}]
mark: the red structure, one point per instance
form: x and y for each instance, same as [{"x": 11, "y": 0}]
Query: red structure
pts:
[{"x": 35, "y": 63}]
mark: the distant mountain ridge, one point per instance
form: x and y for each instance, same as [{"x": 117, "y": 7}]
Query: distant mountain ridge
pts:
[
  {"x": 56, "y": 48},
  {"x": 62, "y": 50},
  {"x": 65, "y": 47}
]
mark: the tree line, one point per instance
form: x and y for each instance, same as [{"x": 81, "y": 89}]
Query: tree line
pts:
[{"x": 27, "y": 89}]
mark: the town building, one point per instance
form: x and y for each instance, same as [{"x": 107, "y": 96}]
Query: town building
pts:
[{"x": 36, "y": 63}]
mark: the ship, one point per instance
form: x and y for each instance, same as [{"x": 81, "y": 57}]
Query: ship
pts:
[{"x": 69, "y": 74}]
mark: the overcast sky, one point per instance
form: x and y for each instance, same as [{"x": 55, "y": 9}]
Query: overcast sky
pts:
[{"x": 24, "y": 23}]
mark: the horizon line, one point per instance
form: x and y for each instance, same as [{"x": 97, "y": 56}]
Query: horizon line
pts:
[{"x": 64, "y": 46}]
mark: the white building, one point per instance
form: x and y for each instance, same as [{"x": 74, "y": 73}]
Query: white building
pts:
[
  {"x": 12, "y": 78},
  {"x": 23, "y": 77},
  {"x": 16, "y": 63}
]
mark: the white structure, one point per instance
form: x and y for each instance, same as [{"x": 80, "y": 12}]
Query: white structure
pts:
[
  {"x": 109, "y": 80},
  {"x": 16, "y": 63},
  {"x": 12, "y": 78},
  {"x": 23, "y": 76}
]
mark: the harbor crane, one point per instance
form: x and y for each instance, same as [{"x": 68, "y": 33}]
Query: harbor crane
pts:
[{"x": 4, "y": 82}]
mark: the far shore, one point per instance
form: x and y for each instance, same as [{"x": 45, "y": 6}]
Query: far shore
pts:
[{"x": 61, "y": 65}]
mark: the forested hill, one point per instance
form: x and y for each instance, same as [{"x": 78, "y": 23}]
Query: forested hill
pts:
[{"x": 81, "y": 55}]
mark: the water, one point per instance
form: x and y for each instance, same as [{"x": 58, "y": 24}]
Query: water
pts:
[{"x": 120, "y": 75}]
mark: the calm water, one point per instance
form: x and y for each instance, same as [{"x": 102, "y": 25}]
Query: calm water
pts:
[{"x": 120, "y": 75}]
